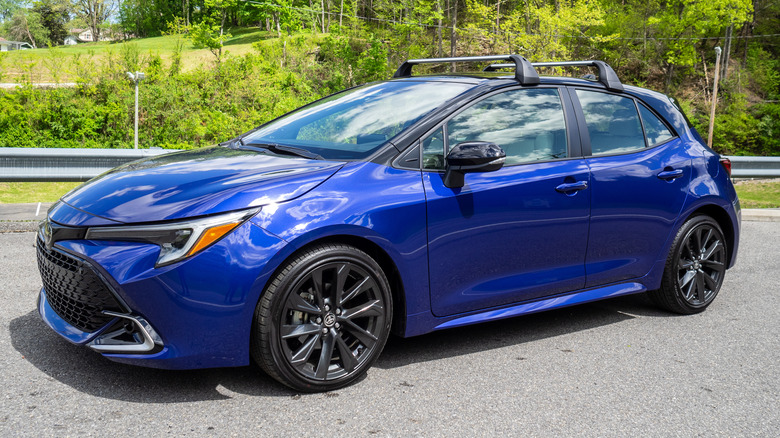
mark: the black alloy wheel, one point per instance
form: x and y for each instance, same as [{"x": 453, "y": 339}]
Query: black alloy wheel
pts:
[
  {"x": 695, "y": 267},
  {"x": 324, "y": 319}
]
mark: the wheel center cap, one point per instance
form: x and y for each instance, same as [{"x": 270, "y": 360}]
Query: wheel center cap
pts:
[
  {"x": 329, "y": 320},
  {"x": 696, "y": 265}
]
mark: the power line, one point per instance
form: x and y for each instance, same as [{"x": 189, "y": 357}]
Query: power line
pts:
[{"x": 505, "y": 32}]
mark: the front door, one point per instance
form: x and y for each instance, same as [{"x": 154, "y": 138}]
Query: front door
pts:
[{"x": 515, "y": 234}]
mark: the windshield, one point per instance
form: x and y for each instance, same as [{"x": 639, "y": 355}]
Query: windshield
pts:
[{"x": 353, "y": 124}]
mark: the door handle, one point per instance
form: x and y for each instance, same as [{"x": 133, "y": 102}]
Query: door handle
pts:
[
  {"x": 669, "y": 175},
  {"x": 572, "y": 187}
]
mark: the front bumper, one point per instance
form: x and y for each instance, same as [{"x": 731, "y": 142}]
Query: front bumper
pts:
[{"x": 196, "y": 313}]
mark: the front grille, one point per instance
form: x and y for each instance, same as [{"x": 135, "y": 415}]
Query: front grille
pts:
[{"x": 74, "y": 290}]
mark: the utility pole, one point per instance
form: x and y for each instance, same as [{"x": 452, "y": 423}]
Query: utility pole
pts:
[
  {"x": 727, "y": 49},
  {"x": 137, "y": 77},
  {"x": 714, "y": 95}
]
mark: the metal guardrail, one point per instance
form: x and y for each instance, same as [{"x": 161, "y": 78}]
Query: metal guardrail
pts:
[
  {"x": 54, "y": 164},
  {"x": 62, "y": 164},
  {"x": 754, "y": 167}
]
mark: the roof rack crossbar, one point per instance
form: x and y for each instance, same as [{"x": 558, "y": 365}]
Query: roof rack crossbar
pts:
[
  {"x": 524, "y": 71},
  {"x": 607, "y": 76}
]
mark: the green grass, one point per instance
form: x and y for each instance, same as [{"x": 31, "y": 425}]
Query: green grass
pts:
[
  {"x": 56, "y": 64},
  {"x": 20, "y": 192},
  {"x": 759, "y": 194}
]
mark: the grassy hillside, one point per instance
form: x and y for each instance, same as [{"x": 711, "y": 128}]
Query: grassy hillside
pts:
[
  {"x": 187, "y": 99},
  {"x": 61, "y": 63},
  {"x": 190, "y": 100}
]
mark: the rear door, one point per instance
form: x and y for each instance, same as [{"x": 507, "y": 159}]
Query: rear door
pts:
[
  {"x": 639, "y": 175},
  {"x": 509, "y": 235}
]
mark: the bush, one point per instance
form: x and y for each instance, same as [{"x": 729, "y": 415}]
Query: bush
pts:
[{"x": 179, "y": 110}]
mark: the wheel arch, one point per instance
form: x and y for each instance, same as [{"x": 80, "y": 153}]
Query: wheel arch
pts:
[
  {"x": 721, "y": 216},
  {"x": 397, "y": 290}
]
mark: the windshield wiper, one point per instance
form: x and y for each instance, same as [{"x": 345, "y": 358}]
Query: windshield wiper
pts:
[{"x": 277, "y": 148}]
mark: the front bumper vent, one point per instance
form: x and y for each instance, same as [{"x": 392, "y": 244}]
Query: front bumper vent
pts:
[{"x": 74, "y": 290}]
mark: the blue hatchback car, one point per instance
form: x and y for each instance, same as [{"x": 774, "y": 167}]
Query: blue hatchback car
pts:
[{"x": 407, "y": 206}]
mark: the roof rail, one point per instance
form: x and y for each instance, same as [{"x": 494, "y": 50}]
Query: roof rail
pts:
[
  {"x": 524, "y": 71},
  {"x": 607, "y": 76}
]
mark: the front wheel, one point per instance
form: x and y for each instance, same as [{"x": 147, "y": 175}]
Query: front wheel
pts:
[
  {"x": 694, "y": 269},
  {"x": 324, "y": 319}
]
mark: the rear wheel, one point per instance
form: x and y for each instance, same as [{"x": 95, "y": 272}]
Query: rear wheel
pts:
[
  {"x": 324, "y": 319},
  {"x": 695, "y": 268}
]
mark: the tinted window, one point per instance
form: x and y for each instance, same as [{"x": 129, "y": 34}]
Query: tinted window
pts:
[
  {"x": 433, "y": 150},
  {"x": 528, "y": 124},
  {"x": 655, "y": 130},
  {"x": 613, "y": 123},
  {"x": 355, "y": 123}
]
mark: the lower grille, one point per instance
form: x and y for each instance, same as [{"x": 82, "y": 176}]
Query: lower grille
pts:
[{"x": 74, "y": 290}]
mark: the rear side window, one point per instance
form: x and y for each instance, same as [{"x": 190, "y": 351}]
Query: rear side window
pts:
[
  {"x": 655, "y": 130},
  {"x": 613, "y": 123}
]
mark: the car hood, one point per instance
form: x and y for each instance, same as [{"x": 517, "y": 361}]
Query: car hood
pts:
[{"x": 193, "y": 183}]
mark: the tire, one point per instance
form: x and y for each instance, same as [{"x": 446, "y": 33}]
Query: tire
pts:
[
  {"x": 695, "y": 268},
  {"x": 323, "y": 320}
]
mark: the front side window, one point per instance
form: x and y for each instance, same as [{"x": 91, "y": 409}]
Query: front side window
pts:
[
  {"x": 528, "y": 124},
  {"x": 353, "y": 124},
  {"x": 433, "y": 150},
  {"x": 613, "y": 123}
]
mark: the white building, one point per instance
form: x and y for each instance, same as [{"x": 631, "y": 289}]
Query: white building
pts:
[{"x": 7, "y": 46}]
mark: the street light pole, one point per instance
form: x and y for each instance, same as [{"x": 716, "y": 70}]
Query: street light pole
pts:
[{"x": 137, "y": 77}]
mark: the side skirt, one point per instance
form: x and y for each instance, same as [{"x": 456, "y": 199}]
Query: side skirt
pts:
[{"x": 556, "y": 302}]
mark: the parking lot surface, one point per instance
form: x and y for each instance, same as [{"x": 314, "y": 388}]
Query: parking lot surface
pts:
[{"x": 611, "y": 368}]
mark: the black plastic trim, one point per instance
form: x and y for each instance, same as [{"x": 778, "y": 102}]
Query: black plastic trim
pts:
[{"x": 524, "y": 71}]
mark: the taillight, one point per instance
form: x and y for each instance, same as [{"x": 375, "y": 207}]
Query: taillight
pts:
[{"x": 726, "y": 163}]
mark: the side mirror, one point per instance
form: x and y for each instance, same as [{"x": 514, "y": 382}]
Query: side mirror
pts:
[{"x": 469, "y": 157}]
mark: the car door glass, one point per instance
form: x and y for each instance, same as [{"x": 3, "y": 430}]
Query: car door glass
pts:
[
  {"x": 529, "y": 125},
  {"x": 613, "y": 123},
  {"x": 433, "y": 151},
  {"x": 655, "y": 130}
]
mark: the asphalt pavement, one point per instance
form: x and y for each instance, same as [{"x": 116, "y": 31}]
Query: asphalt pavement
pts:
[{"x": 613, "y": 368}]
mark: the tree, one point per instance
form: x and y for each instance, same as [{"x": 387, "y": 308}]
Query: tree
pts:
[
  {"x": 682, "y": 19},
  {"x": 54, "y": 15},
  {"x": 8, "y": 7},
  {"x": 210, "y": 33},
  {"x": 26, "y": 26},
  {"x": 94, "y": 12}
]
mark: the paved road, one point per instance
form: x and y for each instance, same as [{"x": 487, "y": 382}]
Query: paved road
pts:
[{"x": 615, "y": 368}]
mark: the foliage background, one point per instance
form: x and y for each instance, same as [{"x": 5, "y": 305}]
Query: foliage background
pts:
[{"x": 226, "y": 66}]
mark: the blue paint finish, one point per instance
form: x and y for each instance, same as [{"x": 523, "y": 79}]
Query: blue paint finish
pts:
[
  {"x": 196, "y": 183},
  {"x": 633, "y": 211},
  {"x": 390, "y": 214},
  {"x": 507, "y": 236},
  {"x": 202, "y": 307},
  {"x": 65, "y": 214},
  {"x": 711, "y": 186},
  {"x": 505, "y": 244},
  {"x": 546, "y": 304}
]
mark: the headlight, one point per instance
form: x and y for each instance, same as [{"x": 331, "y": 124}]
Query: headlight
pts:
[{"x": 177, "y": 240}]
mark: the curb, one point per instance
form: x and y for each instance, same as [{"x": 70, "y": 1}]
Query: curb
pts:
[{"x": 761, "y": 214}]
